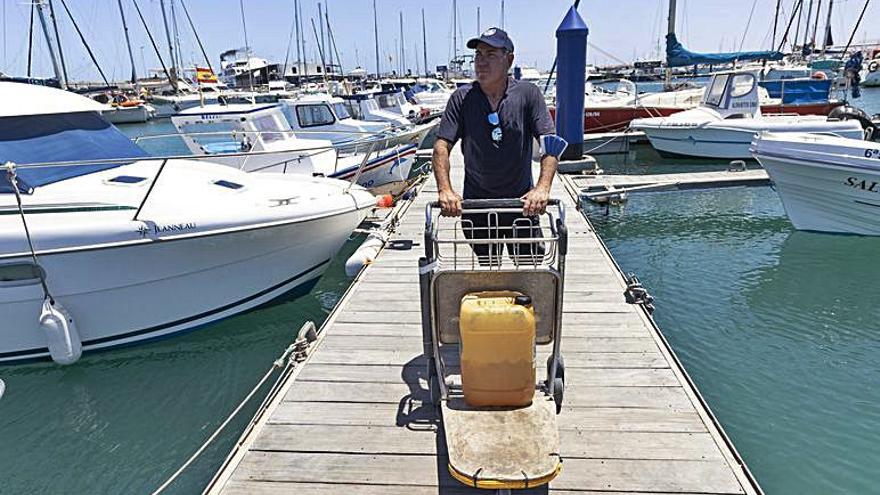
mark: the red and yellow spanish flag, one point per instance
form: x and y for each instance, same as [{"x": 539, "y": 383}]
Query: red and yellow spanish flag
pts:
[{"x": 204, "y": 75}]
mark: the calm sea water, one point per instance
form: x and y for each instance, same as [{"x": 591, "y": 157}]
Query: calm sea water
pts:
[{"x": 778, "y": 328}]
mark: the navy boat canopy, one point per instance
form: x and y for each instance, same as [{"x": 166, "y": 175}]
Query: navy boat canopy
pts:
[
  {"x": 60, "y": 138},
  {"x": 678, "y": 56}
]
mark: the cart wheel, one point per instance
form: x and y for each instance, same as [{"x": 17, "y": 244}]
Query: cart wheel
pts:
[
  {"x": 560, "y": 367},
  {"x": 558, "y": 393}
]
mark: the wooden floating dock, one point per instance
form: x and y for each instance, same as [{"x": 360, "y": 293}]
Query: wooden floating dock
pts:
[
  {"x": 598, "y": 184},
  {"x": 355, "y": 417}
]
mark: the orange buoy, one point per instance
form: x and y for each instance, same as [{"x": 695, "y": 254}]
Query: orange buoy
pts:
[
  {"x": 819, "y": 76},
  {"x": 385, "y": 201}
]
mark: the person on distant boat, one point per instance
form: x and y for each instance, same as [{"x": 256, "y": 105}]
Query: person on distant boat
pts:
[{"x": 496, "y": 118}]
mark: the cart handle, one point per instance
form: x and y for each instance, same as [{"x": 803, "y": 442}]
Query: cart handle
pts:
[
  {"x": 485, "y": 204},
  {"x": 473, "y": 204}
]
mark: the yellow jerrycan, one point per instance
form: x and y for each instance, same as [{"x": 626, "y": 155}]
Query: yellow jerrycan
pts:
[{"x": 497, "y": 348}]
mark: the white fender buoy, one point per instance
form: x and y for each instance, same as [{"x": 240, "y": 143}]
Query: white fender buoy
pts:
[
  {"x": 2, "y": 388},
  {"x": 365, "y": 254},
  {"x": 65, "y": 346}
]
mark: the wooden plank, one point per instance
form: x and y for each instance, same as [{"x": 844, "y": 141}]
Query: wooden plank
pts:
[
  {"x": 609, "y": 474},
  {"x": 572, "y": 344},
  {"x": 286, "y": 488},
  {"x": 629, "y": 419},
  {"x": 638, "y": 445},
  {"x": 396, "y": 329},
  {"x": 672, "y": 398},
  {"x": 571, "y": 418}
]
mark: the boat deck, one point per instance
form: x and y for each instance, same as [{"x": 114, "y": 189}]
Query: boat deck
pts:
[{"x": 355, "y": 416}]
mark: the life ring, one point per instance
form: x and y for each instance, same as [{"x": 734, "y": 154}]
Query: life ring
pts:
[{"x": 873, "y": 66}]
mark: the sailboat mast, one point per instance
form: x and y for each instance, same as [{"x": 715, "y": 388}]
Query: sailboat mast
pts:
[
  {"x": 321, "y": 42},
  {"x": 402, "y": 48},
  {"x": 775, "y": 24},
  {"x": 176, "y": 36},
  {"x": 454, "y": 30},
  {"x": 247, "y": 47},
  {"x": 807, "y": 24},
  {"x": 134, "y": 81},
  {"x": 173, "y": 69},
  {"x": 376, "y": 37},
  {"x": 424, "y": 43},
  {"x": 478, "y": 21},
  {"x": 59, "y": 74},
  {"x": 502, "y": 14},
  {"x": 329, "y": 46},
  {"x": 670, "y": 29},
  {"x": 302, "y": 33},
  {"x": 296, "y": 28},
  {"x": 816, "y": 24},
  {"x": 58, "y": 43},
  {"x": 827, "y": 27}
]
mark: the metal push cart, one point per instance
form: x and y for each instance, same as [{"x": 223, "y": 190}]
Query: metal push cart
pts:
[{"x": 498, "y": 448}]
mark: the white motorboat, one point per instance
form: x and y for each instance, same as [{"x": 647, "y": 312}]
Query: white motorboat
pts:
[
  {"x": 121, "y": 109},
  {"x": 727, "y": 120},
  {"x": 321, "y": 116},
  {"x": 365, "y": 107},
  {"x": 826, "y": 183},
  {"x": 263, "y": 132},
  {"x": 134, "y": 247}
]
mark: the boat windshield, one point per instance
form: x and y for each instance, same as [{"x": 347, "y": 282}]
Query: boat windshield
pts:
[
  {"x": 61, "y": 138},
  {"x": 715, "y": 92},
  {"x": 340, "y": 111}
]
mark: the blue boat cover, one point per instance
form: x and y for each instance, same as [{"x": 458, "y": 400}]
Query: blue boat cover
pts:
[
  {"x": 678, "y": 56},
  {"x": 799, "y": 91},
  {"x": 58, "y": 138}
]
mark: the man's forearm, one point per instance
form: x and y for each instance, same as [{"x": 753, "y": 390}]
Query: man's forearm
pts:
[
  {"x": 440, "y": 163},
  {"x": 549, "y": 163}
]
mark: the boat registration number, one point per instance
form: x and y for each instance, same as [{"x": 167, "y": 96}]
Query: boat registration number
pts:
[{"x": 872, "y": 153}]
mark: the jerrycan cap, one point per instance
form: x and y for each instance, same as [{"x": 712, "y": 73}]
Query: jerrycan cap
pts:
[{"x": 522, "y": 300}]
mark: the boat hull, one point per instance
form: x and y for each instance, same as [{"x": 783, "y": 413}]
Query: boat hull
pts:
[
  {"x": 731, "y": 139},
  {"x": 135, "y": 292},
  {"x": 129, "y": 115},
  {"x": 821, "y": 195}
]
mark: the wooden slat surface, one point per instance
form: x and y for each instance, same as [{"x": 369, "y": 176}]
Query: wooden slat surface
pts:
[{"x": 357, "y": 419}]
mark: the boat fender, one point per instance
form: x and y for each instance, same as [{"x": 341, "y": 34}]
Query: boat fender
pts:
[
  {"x": 65, "y": 345},
  {"x": 873, "y": 66},
  {"x": 2, "y": 388},
  {"x": 365, "y": 254}
]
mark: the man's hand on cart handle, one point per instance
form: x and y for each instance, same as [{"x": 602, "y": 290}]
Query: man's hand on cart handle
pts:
[
  {"x": 535, "y": 201},
  {"x": 450, "y": 203}
]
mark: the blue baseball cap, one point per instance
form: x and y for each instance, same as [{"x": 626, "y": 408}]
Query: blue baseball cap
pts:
[{"x": 494, "y": 37}]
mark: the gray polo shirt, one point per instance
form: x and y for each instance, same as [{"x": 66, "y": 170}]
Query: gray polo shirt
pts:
[{"x": 496, "y": 169}]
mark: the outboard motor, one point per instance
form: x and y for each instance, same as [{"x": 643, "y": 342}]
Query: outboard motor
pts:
[{"x": 847, "y": 112}]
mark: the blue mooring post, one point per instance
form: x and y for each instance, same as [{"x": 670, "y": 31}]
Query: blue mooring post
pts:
[{"x": 571, "y": 54}]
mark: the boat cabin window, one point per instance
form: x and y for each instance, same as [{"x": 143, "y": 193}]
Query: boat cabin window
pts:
[
  {"x": 265, "y": 124},
  {"x": 386, "y": 100},
  {"x": 314, "y": 115},
  {"x": 715, "y": 92},
  {"x": 742, "y": 85},
  {"x": 352, "y": 107},
  {"x": 341, "y": 111}
]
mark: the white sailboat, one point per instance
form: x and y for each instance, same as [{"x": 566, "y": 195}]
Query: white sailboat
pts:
[
  {"x": 727, "y": 120},
  {"x": 128, "y": 247},
  {"x": 826, "y": 183}
]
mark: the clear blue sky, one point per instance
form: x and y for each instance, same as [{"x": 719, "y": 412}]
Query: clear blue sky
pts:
[{"x": 624, "y": 29}]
